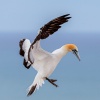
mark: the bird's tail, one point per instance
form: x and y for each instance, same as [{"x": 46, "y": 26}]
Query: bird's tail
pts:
[{"x": 38, "y": 81}]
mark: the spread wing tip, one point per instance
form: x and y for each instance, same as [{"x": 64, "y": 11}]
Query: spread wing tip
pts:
[
  {"x": 66, "y": 16},
  {"x": 51, "y": 27}
]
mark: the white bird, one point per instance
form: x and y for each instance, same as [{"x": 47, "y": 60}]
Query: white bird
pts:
[{"x": 42, "y": 61}]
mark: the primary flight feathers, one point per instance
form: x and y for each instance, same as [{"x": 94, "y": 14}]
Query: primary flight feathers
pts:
[{"x": 51, "y": 27}]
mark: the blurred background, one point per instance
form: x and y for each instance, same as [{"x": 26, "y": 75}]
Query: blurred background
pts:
[{"x": 22, "y": 19}]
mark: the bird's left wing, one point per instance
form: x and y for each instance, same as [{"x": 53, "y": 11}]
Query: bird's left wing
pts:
[{"x": 49, "y": 29}]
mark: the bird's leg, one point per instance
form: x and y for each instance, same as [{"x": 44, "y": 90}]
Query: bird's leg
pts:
[{"x": 52, "y": 81}]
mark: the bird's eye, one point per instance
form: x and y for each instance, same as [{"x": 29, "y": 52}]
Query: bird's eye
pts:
[{"x": 74, "y": 50}]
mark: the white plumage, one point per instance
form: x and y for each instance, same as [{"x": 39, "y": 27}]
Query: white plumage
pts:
[{"x": 42, "y": 61}]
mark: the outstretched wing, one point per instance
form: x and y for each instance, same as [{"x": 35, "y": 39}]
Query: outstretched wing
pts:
[{"x": 51, "y": 27}]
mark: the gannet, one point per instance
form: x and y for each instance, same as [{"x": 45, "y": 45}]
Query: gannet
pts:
[{"x": 43, "y": 61}]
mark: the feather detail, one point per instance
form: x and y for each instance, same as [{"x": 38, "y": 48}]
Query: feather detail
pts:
[{"x": 38, "y": 81}]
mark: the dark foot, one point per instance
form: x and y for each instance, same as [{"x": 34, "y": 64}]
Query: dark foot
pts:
[{"x": 52, "y": 81}]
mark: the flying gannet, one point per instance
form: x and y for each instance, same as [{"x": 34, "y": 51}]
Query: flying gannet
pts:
[{"x": 42, "y": 61}]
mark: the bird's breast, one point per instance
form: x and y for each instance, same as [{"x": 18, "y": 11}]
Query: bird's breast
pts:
[{"x": 46, "y": 66}]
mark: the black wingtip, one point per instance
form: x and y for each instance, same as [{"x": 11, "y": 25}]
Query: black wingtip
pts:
[
  {"x": 21, "y": 52},
  {"x": 31, "y": 90},
  {"x": 66, "y": 15},
  {"x": 69, "y": 17},
  {"x": 51, "y": 27},
  {"x": 25, "y": 63}
]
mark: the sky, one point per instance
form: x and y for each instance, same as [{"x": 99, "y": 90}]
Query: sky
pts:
[
  {"x": 30, "y": 15},
  {"x": 76, "y": 80}
]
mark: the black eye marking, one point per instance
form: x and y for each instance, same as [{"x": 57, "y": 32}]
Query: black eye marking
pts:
[{"x": 74, "y": 50}]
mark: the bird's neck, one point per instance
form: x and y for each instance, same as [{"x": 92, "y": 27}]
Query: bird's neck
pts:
[{"x": 60, "y": 53}]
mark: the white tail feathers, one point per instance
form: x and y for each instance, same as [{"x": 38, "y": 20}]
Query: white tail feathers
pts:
[{"x": 38, "y": 81}]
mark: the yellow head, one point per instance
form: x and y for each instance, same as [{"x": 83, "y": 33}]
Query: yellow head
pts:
[{"x": 72, "y": 48}]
